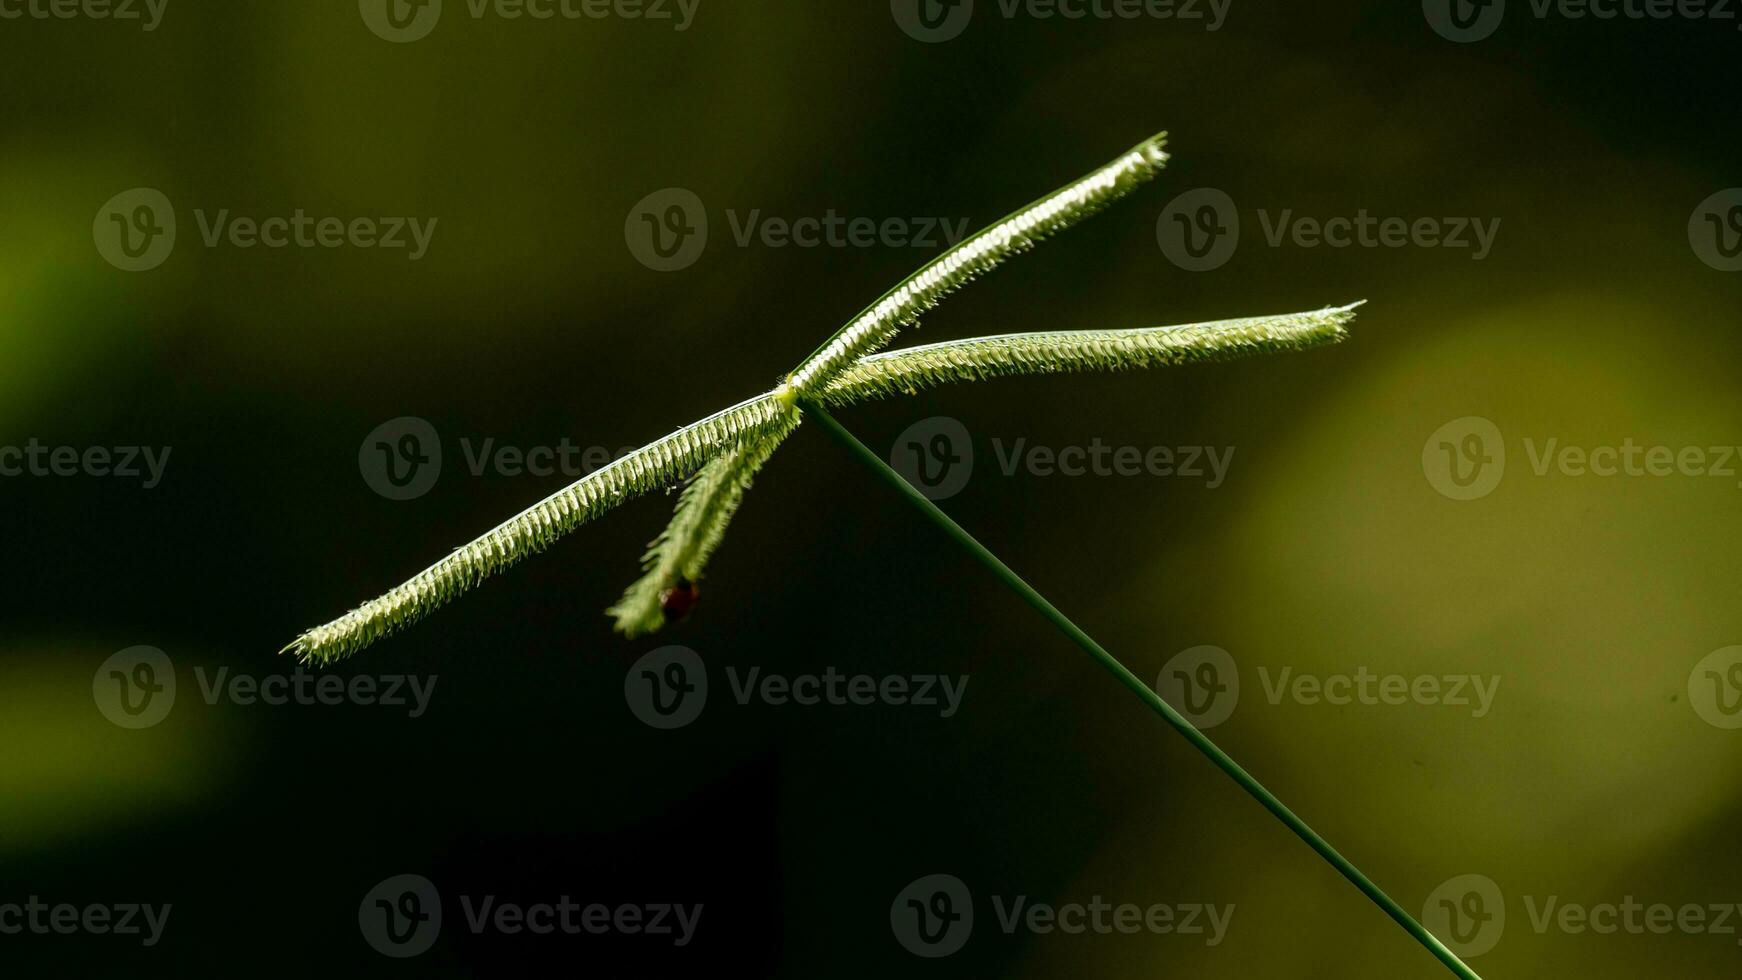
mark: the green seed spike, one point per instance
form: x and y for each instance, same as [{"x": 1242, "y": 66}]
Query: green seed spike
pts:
[
  {"x": 676, "y": 557},
  {"x": 704, "y": 510},
  {"x": 670, "y": 460},
  {"x": 876, "y": 326},
  {"x": 978, "y": 254},
  {"x": 652, "y": 467},
  {"x": 1069, "y": 351},
  {"x": 729, "y": 447}
]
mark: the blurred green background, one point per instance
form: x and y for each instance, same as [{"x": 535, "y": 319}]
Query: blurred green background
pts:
[{"x": 1593, "y": 320}]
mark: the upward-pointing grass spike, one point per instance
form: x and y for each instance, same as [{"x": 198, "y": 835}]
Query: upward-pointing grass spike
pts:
[{"x": 981, "y": 252}]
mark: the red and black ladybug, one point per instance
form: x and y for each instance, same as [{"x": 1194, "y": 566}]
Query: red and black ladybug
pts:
[{"x": 678, "y": 601}]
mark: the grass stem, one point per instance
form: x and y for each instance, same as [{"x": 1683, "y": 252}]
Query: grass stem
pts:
[{"x": 1144, "y": 692}]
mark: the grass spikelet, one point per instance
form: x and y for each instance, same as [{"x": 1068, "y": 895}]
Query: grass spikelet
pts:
[
  {"x": 911, "y": 369},
  {"x": 652, "y": 467},
  {"x": 681, "y": 551},
  {"x": 975, "y": 255}
]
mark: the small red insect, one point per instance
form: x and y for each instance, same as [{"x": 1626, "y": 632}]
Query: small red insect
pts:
[{"x": 677, "y": 601}]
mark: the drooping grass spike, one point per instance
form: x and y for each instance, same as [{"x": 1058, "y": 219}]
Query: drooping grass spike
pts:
[{"x": 679, "y": 554}]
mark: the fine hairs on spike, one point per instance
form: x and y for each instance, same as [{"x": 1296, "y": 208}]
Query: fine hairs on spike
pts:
[
  {"x": 724, "y": 451},
  {"x": 880, "y": 375},
  {"x": 871, "y": 329},
  {"x": 677, "y": 556},
  {"x": 652, "y": 467},
  {"x": 981, "y": 253},
  {"x": 907, "y": 371},
  {"x": 703, "y": 511}
]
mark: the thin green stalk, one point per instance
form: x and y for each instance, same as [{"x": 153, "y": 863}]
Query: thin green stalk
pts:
[{"x": 1198, "y": 739}]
